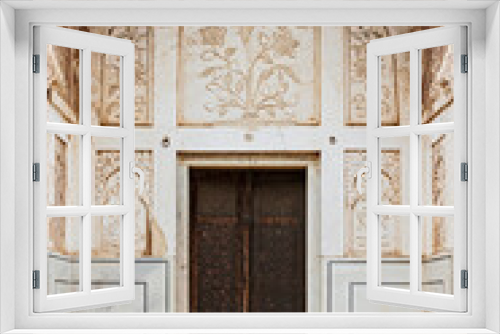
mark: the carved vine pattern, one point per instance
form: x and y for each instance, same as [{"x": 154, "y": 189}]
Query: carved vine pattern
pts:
[{"x": 263, "y": 85}]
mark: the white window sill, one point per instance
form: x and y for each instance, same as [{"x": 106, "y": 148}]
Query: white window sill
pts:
[{"x": 253, "y": 331}]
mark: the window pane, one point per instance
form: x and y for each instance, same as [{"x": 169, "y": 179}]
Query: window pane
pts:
[
  {"x": 63, "y": 254},
  {"x": 394, "y": 171},
  {"x": 151, "y": 265},
  {"x": 105, "y": 89},
  {"x": 63, "y": 85},
  {"x": 394, "y": 251},
  {"x": 106, "y": 171},
  {"x": 437, "y": 254},
  {"x": 437, "y": 84},
  {"x": 437, "y": 169},
  {"x": 106, "y": 241},
  {"x": 63, "y": 170},
  {"x": 395, "y": 89}
]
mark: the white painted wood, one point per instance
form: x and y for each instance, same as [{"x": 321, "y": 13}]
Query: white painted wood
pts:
[
  {"x": 433, "y": 210},
  {"x": 433, "y": 128},
  {"x": 249, "y": 4},
  {"x": 492, "y": 159},
  {"x": 391, "y": 131},
  {"x": 399, "y": 131},
  {"x": 255, "y": 331},
  {"x": 7, "y": 167},
  {"x": 86, "y": 298},
  {"x": 26, "y": 319},
  {"x": 62, "y": 211},
  {"x": 391, "y": 209},
  {"x": 127, "y": 103},
  {"x": 97, "y": 131},
  {"x": 86, "y": 171},
  {"x": 372, "y": 190},
  {"x": 415, "y": 168},
  {"x": 413, "y": 43}
]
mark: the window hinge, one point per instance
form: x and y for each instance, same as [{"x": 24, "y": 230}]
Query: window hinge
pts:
[
  {"x": 465, "y": 279},
  {"x": 36, "y": 279},
  {"x": 36, "y": 63},
  {"x": 36, "y": 172},
  {"x": 465, "y": 64},
  {"x": 464, "y": 172}
]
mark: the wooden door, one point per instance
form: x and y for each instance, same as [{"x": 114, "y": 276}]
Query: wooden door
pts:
[
  {"x": 278, "y": 242},
  {"x": 247, "y": 240}
]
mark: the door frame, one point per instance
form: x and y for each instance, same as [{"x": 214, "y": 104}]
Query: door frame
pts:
[{"x": 254, "y": 160}]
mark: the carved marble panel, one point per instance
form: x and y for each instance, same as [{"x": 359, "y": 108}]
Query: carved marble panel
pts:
[
  {"x": 396, "y": 81},
  {"x": 150, "y": 238},
  {"x": 355, "y": 204},
  {"x": 105, "y": 96},
  {"x": 248, "y": 75}
]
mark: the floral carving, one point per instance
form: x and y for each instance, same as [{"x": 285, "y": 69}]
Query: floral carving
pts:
[
  {"x": 247, "y": 73},
  {"x": 213, "y": 36},
  {"x": 106, "y": 79},
  {"x": 355, "y": 206},
  {"x": 395, "y": 90}
]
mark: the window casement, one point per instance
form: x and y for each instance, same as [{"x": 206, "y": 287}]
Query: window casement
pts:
[
  {"x": 68, "y": 195},
  {"x": 90, "y": 208},
  {"x": 424, "y": 133}
]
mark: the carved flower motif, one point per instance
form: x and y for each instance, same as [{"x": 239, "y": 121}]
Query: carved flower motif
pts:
[
  {"x": 245, "y": 34},
  {"x": 213, "y": 36},
  {"x": 284, "y": 43}
]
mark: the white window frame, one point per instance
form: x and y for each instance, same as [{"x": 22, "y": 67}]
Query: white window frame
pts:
[
  {"x": 414, "y": 43},
  {"x": 86, "y": 43},
  {"x": 474, "y": 318}
]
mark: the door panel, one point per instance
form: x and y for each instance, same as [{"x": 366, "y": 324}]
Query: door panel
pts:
[
  {"x": 215, "y": 265},
  {"x": 214, "y": 244},
  {"x": 278, "y": 266},
  {"x": 247, "y": 241}
]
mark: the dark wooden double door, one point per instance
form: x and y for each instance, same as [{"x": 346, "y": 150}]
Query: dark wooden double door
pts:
[{"x": 247, "y": 240}]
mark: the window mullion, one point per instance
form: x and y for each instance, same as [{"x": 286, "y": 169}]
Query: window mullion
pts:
[
  {"x": 108, "y": 210},
  {"x": 66, "y": 211},
  {"x": 414, "y": 170},
  {"x": 434, "y": 128},
  {"x": 427, "y": 210},
  {"x": 86, "y": 248},
  {"x": 66, "y": 129}
]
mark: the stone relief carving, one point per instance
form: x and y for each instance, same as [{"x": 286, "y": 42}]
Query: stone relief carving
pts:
[
  {"x": 355, "y": 204},
  {"x": 396, "y": 81},
  {"x": 242, "y": 75}
]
